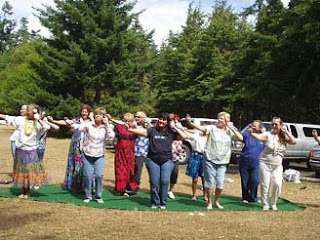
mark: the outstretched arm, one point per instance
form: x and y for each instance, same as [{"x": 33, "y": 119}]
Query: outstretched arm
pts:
[
  {"x": 235, "y": 131},
  {"x": 138, "y": 131},
  {"x": 58, "y": 122},
  {"x": 203, "y": 129},
  {"x": 259, "y": 136}
]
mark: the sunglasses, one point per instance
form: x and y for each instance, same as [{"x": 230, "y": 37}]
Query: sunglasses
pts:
[{"x": 275, "y": 124}]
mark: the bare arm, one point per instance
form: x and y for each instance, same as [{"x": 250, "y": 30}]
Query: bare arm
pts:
[
  {"x": 181, "y": 132},
  {"x": 291, "y": 139},
  {"x": 58, "y": 122},
  {"x": 235, "y": 131},
  {"x": 52, "y": 125},
  {"x": 138, "y": 131},
  {"x": 259, "y": 136},
  {"x": 203, "y": 129},
  {"x": 119, "y": 122}
]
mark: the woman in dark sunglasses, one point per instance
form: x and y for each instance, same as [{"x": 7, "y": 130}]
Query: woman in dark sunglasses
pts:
[{"x": 275, "y": 142}]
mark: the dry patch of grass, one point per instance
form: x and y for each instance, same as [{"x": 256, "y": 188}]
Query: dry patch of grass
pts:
[{"x": 38, "y": 220}]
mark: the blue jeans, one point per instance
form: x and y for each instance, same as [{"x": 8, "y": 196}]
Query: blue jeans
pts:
[
  {"x": 93, "y": 168},
  {"x": 249, "y": 183},
  {"x": 159, "y": 176}
]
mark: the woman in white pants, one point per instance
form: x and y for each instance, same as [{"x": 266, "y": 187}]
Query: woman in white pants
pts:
[{"x": 275, "y": 142}]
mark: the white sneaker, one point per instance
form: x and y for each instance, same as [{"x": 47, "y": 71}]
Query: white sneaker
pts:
[
  {"x": 265, "y": 208},
  {"x": 154, "y": 206},
  {"x": 163, "y": 207},
  {"x": 209, "y": 207},
  {"x": 274, "y": 207},
  {"x": 219, "y": 206},
  {"x": 171, "y": 195}
]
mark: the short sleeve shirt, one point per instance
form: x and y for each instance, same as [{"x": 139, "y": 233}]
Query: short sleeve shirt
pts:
[
  {"x": 251, "y": 151},
  {"x": 218, "y": 147},
  {"x": 160, "y": 145}
]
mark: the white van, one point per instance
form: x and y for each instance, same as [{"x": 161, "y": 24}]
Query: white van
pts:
[{"x": 300, "y": 151}]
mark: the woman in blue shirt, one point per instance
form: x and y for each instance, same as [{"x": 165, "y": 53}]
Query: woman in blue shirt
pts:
[{"x": 249, "y": 163}]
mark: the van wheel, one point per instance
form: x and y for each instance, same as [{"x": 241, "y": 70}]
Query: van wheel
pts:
[
  {"x": 285, "y": 164},
  {"x": 184, "y": 154}
]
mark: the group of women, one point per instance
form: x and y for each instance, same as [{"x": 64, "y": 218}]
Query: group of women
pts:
[{"x": 260, "y": 161}]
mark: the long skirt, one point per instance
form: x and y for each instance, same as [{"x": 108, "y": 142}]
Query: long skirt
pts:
[
  {"x": 124, "y": 170},
  {"x": 28, "y": 170},
  {"x": 74, "y": 171}
]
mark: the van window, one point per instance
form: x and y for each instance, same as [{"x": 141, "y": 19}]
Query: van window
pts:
[
  {"x": 267, "y": 126},
  {"x": 293, "y": 131},
  {"x": 308, "y": 131}
]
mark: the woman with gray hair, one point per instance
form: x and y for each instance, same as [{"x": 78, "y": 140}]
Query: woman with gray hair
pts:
[
  {"x": 140, "y": 147},
  {"x": 217, "y": 154}
]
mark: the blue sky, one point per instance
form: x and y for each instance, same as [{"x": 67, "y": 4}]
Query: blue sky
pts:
[{"x": 160, "y": 15}]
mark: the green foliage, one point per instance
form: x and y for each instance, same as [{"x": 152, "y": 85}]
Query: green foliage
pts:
[
  {"x": 98, "y": 55},
  {"x": 7, "y": 26}
]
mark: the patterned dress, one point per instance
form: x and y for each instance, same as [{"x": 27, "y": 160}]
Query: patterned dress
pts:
[
  {"x": 124, "y": 161},
  {"x": 74, "y": 171},
  {"x": 28, "y": 170}
]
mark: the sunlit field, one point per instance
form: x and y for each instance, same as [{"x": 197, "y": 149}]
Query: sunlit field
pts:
[{"x": 24, "y": 219}]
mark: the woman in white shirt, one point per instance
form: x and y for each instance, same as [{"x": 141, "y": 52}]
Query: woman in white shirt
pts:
[
  {"x": 28, "y": 170},
  {"x": 96, "y": 133},
  {"x": 275, "y": 142},
  {"x": 14, "y": 136}
]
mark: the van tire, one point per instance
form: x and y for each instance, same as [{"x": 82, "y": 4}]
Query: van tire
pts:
[{"x": 184, "y": 154}]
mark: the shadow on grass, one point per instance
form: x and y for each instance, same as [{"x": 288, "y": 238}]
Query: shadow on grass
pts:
[{"x": 33, "y": 193}]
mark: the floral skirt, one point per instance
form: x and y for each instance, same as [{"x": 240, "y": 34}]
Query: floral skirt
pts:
[{"x": 28, "y": 170}]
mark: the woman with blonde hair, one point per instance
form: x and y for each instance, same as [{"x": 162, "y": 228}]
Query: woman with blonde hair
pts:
[
  {"x": 271, "y": 158},
  {"x": 124, "y": 161}
]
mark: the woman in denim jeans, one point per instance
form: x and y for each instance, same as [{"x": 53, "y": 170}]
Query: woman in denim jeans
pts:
[
  {"x": 93, "y": 152},
  {"x": 159, "y": 160}
]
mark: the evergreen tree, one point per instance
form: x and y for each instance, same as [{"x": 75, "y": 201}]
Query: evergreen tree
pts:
[
  {"x": 7, "y": 26},
  {"x": 98, "y": 53}
]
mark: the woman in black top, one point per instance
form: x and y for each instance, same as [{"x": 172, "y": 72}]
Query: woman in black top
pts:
[{"x": 159, "y": 161}]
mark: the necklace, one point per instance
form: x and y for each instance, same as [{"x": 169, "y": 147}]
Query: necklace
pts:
[{"x": 27, "y": 129}]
